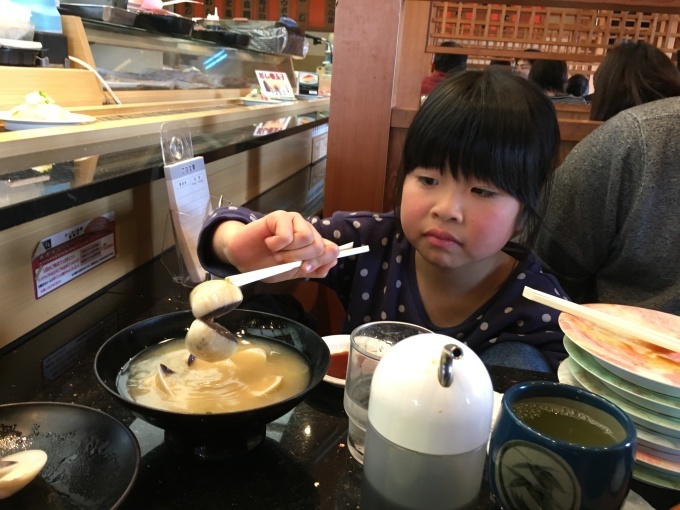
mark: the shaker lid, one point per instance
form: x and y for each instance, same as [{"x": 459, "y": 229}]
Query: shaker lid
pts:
[{"x": 412, "y": 406}]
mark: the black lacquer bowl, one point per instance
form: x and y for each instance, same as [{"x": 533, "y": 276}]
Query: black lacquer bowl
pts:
[
  {"x": 220, "y": 435},
  {"x": 92, "y": 458}
]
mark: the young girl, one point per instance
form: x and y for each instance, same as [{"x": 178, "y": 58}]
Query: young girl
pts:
[{"x": 477, "y": 159}]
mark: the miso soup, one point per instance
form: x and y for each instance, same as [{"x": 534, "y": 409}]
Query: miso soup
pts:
[
  {"x": 569, "y": 420},
  {"x": 259, "y": 373}
]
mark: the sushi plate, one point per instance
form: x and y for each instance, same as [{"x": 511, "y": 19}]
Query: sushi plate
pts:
[
  {"x": 652, "y": 400},
  {"x": 634, "y": 360},
  {"x": 654, "y": 421}
]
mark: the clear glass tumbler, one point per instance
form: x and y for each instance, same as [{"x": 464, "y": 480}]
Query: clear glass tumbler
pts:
[{"x": 368, "y": 344}]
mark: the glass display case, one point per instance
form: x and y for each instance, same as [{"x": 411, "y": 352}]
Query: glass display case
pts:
[{"x": 131, "y": 58}]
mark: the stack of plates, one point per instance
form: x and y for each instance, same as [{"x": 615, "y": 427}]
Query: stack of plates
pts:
[{"x": 642, "y": 379}]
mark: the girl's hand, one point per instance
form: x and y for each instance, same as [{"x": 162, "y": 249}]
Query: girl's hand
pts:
[{"x": 277, "y": 238}]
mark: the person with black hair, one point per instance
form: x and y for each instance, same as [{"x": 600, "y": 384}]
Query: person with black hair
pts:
[
  {"x": 477, "y": 160},
  {"x": 551, "y": 76},
  {"x": 523, "y": 64},
  {"x": 578, "y": 85},
  {"x": 631, "y": 74},
  {"x": 443, "y": 65}
]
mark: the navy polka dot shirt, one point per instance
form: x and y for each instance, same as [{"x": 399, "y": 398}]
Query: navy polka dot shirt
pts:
[{"x": 381, "y": 284}]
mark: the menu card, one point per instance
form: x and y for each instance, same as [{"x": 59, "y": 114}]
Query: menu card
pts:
[
  {"x": 189, "y": 197},
  {"x": 275, "y": 85}
]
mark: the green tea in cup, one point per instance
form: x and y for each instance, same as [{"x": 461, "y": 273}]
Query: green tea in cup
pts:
[
  {"x": 560, "y": 447},
  {"x": 569, "y": 420}
]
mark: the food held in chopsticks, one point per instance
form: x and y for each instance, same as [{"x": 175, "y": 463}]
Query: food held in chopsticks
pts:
[{"x": 208, "y": 340}]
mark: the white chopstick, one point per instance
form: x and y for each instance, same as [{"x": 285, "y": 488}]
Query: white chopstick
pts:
[
  {"x": 260, "y": 274},
  {"x": 610, "y": 322}
]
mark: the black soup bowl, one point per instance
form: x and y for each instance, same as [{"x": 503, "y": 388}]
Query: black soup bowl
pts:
[{"x": 219, "y": 435}]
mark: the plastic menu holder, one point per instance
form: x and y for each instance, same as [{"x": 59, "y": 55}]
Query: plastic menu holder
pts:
[{"x": 188, "y": 195}]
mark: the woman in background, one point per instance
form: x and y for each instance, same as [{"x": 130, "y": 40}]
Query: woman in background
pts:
[{"x": 631, "y": 74}]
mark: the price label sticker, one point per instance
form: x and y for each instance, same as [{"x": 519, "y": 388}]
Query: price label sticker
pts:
[{"x": 64, "y": 256}]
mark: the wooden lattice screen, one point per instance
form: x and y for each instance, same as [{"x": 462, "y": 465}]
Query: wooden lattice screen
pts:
[{"x": 580, "y": 36}]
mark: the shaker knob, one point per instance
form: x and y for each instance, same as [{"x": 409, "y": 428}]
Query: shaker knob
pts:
[{"x": 450, "y": 353}]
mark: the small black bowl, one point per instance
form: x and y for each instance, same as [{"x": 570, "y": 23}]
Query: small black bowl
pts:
[
  {"x": 92, "y": 458},
  {"x": 219, "y": 435}
]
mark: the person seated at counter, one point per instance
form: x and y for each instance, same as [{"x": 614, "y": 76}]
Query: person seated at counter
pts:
[
  {"x": 631, "y": 74},
  {"x": 551, "y": 76},
  {"x": 578, "y": 85},
  {"x": 611, "y": 230},
  {"x": 523, "y": 65},
  {"x": 443, "y": 65},
  {"x": 477, "y": 161}
]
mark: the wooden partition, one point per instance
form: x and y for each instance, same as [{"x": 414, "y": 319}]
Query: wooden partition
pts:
[
  {"x": 573, "y": 111},
  {"x": 380, "y": 60}
]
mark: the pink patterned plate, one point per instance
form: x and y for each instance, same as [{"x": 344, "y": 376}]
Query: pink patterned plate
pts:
[{"x": 644, "y": 364}]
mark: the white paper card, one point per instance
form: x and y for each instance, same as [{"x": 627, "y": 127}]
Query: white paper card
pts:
[{"x": 189, "y": 195}]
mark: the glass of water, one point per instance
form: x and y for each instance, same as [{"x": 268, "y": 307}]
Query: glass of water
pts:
[{"x": 368, "y": 344}]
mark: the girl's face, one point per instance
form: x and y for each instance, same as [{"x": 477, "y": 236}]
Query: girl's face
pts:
[{"x": 454, "y": 222}]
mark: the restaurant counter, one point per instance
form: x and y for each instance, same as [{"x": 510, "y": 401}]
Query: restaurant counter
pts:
[{"x": 302, "y": 464}]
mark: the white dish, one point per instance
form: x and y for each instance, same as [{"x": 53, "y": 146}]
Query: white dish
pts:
[
  {"x": 13, "y": 124},
  {"x": 565, "y": 376},
  {"x": 336, "y": 344},
  {"x": 248, "y": 101},
  {"x": 643, "y": 397},
  {"x": 640, "y": 416},
  {"x": 644, "y": 364},
  {"x": 635, "y": 502}
]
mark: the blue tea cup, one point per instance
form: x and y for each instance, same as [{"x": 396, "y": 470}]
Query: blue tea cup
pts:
[{"x": 560, "y": 447}]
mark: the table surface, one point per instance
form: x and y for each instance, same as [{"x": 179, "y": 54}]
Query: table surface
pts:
[{"x": 302, "y": 464}]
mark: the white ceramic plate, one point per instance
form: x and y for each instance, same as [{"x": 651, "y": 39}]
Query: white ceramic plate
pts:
[
  {"x": 565, "y": 376},
  {"x": 644, "y": 364},
  {"x": 336, "y": 343},
  {"x": 640, "y": 416},
  {"x": 635, "y": 502},
  {"x": 256, "y": 102},
  {"x": 12, "y": 124},
  {"x": 643, "y": 397}
]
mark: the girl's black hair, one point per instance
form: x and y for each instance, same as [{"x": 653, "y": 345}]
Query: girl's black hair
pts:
[
  {"x": 493, "y": 126},
  {"x": 631, "y": 74}
]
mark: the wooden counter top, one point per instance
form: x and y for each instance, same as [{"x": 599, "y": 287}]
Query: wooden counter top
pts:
[{"x": 129, "y": 121}]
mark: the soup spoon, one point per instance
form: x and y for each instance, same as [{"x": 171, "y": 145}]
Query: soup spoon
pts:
[
  {"x": 210, "y": 341},
  {"x": 19, "y": 469}
]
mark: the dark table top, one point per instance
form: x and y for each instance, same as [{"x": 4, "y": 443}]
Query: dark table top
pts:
[{"x": 302, "y": 464}]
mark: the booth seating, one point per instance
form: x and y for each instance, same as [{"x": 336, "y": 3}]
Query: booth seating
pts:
[
  {"x": 573, "y": 131},
  {"x": 573, "y": 111}
]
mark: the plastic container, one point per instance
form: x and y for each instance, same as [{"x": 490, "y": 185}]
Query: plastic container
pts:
[
  {"x": 44, "y": 15},
  {"x": 429, "y": 420}
]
